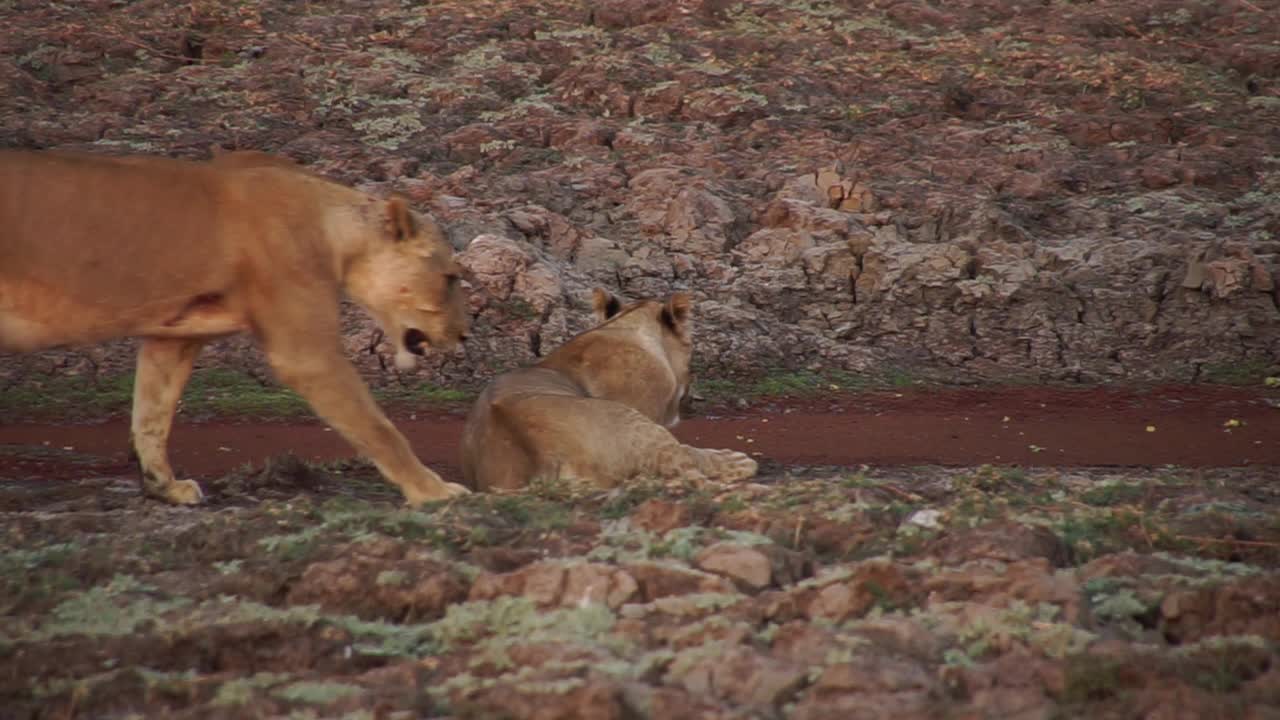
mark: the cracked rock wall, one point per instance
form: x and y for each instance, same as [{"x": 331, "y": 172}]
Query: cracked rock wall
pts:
[{"x": 970, "y": 191}]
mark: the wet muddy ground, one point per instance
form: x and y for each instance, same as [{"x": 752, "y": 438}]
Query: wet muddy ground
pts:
[{"x": 858, "y": 576}]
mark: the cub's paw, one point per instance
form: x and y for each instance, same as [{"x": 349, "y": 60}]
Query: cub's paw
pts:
[{"x": 731, "y": 465}]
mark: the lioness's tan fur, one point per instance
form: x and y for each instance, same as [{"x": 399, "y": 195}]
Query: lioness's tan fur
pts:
[
  {"x": 178, "y": 252},
  {"x": 595, "y": 409}
]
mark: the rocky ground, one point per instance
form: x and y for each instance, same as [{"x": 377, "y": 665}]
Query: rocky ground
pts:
[
  {"x": 970, "y": 190},
  {"x": 306, "y": 592}
]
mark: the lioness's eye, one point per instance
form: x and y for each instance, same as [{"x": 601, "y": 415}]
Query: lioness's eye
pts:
[{"x": 452, "y": 279}]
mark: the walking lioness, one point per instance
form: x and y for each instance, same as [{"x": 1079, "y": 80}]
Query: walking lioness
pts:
[
  {"x": 177, "y": 252},
  {"x": 591, "y": 409}
]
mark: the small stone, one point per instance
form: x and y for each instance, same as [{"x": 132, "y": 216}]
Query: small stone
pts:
[
  {"x": 381, "y": 587},
  {"x": 738, "y": 674},
  {"x": 872, "y": 582},
  {"x": 556, "y": 583},
  {"x": 661, "y": 516},
  {"x": 1003, "y": 541},
  {"x": 597, "y": 583},
  {"x": 553, "y": 698},
  {"x": 928, "y": 519},
  {"x": 874, "y": 674},
  {"x": 658, "y": 580},
  {"x": 744, "y": 564}
]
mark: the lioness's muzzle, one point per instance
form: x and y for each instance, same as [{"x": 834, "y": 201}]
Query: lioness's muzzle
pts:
[{"x": 415, "y": 341}]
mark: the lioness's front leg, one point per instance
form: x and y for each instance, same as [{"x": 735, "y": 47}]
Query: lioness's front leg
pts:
[
  {"x": 335, "y": 391},
  {"x": 164, "y": 365}
]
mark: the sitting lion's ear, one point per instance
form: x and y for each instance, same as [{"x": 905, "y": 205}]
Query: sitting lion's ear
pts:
[
  {"x": 400, "y": 222},
  {"x": 677, "y": 312},
  {"x": 605, "y": 304}
]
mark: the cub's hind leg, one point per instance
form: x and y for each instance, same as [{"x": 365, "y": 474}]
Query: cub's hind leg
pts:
[{"x": 164, "y": 365}]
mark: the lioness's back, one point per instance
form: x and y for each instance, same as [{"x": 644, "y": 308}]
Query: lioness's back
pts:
[
  {"x": 122, "y": 232},
  {"x": 107, "y": 223}
]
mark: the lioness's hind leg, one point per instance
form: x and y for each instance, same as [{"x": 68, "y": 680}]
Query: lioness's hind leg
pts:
[
  {"x": 727, "y": 465},
  {"x": 696, "y": 464},
  {"x": 674, "y": 461},
  {"x": 164, "y": 365}
]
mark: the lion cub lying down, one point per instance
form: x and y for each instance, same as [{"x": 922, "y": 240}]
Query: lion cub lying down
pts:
[
  {"x": 178, "y": 253},
  {"x": 591, "y": 409}
]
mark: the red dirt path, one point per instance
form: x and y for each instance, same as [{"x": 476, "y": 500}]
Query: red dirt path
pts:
[{"x": 1023, "y": 426}]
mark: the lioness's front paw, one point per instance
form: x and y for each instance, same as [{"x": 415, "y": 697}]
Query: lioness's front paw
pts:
[
  {"x": 455, "y": 489},
  {"x": 183, "y": 492},
  {"x": 440, "y": 491}
]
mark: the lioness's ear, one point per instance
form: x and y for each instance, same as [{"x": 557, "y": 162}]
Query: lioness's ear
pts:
[
  {"x": 604, "y": 304},
  {"x": 400, "y": 221},
  {"x": 677, "y": 311}
]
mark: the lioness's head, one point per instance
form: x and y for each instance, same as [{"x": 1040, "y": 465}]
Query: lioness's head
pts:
[
  {"x": 408, "y": 280},
  {"x": 669, "y": 322}
]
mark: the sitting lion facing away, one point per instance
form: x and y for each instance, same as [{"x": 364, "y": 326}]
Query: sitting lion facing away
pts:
[
  {"x": 177, "y": 252},
  {"x": 595, "y": 409}
]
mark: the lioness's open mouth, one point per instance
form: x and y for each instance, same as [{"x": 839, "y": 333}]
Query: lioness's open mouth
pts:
[{"x": 415, "y": 341}]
